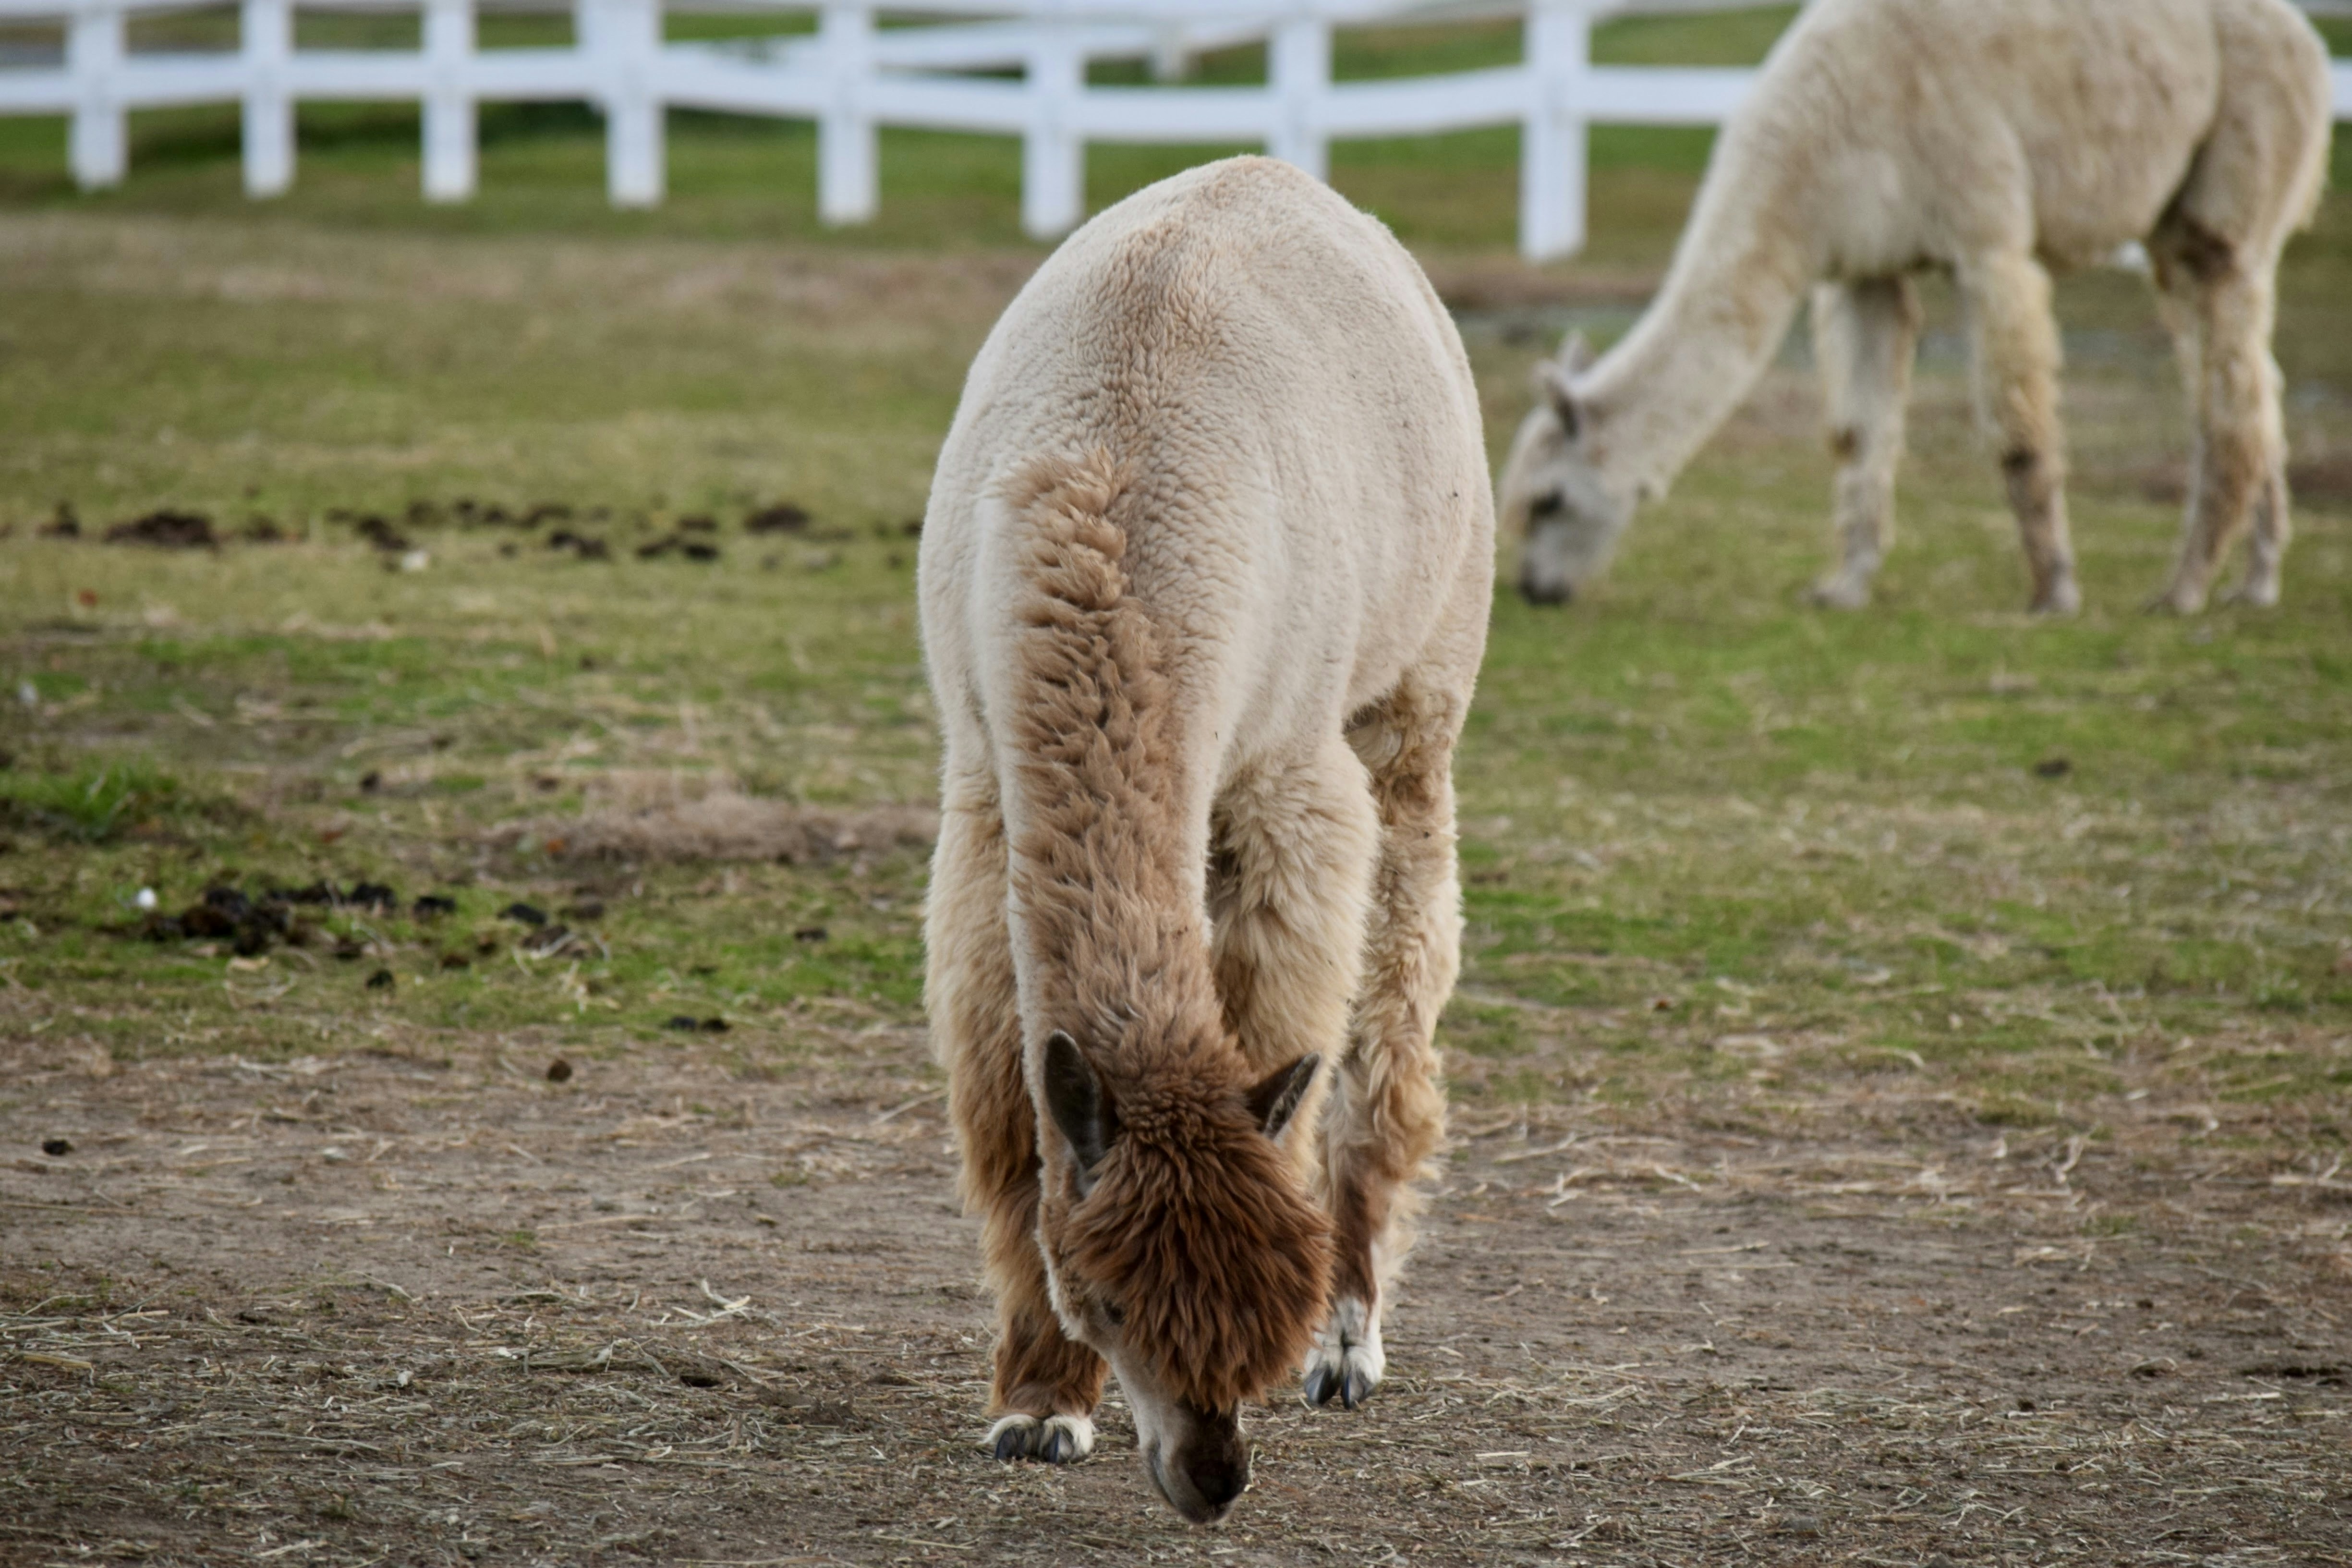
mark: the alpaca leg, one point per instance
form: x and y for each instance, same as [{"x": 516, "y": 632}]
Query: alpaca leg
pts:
[
  {"x": 2240, "y": 472},
  {"x": 1290, "y": 875},
  {"x": 1387, "y": 1114},
  {"x": 1866, "y": 335},
  {"x": 2266, "y": 548},
  {"x": 2016, "y": 366},
  {"x": 1046, "y": 1386}
]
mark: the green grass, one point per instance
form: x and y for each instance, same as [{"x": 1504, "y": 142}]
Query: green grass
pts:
[
  {"x": 91, "y": 804},
  {"x": 1714, "y": 843}
]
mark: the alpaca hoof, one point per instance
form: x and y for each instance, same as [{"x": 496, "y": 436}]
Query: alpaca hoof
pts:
[
  {"x": 2060, "y": 599},
  {"x": 2254, "y": 595},
  {"x": 1055, "y": 1440},
  {"x": 1346, "y": 1361},
  {"x": 1839, "y": 593},
  {"x": 1349, "y": 1381}
]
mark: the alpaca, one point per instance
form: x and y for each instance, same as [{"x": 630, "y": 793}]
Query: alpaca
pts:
[
  {"x": 1998, "y": 140},
  {"x": 1204, "y": 581}
]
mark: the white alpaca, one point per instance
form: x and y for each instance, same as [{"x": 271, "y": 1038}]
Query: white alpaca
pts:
[
  {"x": 1998, "y": 140},
  {"x": 1205, "y": 588}
]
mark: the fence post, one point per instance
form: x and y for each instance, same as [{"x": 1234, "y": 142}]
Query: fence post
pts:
[
  {"x": 1171, "y": 52},
  {"x": 629, "y": 34},
  {"x": 99, "y": 145},
  {"x": 847, "y": 148},
  {"x": 1299, "y": 64},
  {"x": 265, "y": 39},
  {"x": 1053, "y": 154},
  {"x": 1552, "y": 144},
  {"x": 450, "y": 160}
]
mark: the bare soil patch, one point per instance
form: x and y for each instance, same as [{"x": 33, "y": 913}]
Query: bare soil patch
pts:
[{"x": 715, "y": 1303}]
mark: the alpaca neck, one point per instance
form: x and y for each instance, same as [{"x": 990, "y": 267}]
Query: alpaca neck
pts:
[
  {"x": 1103, "y": 889},
  {"x": 1656, "y": 397}
]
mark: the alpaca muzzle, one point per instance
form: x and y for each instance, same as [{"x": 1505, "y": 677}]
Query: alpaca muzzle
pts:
[{"x": 1203, "y": 1466}]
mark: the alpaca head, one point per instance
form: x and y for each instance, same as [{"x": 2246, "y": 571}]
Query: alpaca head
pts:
[
  {"x": 1181, "y": 1245},
  {"x": 1552, "y": 493}
]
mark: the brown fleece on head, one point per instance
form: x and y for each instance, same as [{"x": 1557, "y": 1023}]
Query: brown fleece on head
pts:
[
  {"x": 1198, "y": 1228},
  {"x": 1196, "y": 1225}
]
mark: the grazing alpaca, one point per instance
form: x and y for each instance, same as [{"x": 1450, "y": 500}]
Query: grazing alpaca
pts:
[
  {"x": 1204, "y": 586},
  {"x": 1997, "y": 139}
]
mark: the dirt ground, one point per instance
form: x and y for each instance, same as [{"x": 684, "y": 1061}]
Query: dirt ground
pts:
[{"x": 408, "y": 1301}]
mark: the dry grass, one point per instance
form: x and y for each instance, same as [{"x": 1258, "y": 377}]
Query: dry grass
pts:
[{"x": 664, "y": 819}]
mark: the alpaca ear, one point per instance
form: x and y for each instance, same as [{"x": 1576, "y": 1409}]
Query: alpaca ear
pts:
[
  {"x": 1575, "y": 354},
  {"x": 1275, "y": 1100},
  {"x": 1552, "y": 387},
  {"x": 1075, "y": 1097}
]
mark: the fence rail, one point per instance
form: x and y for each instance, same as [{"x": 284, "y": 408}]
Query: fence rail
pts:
[{"x": 853, "y": 75}]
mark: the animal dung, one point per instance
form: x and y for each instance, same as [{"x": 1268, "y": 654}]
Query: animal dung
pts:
[
  {"x": 810, "y": 934},
  {"x": 559, "y": 1072},
  {"x": 382, "y": 535},
  {"x": 701, "y": 1025},
  {"x": 432, "y": 906},
  {"x": 2052, "y": 768},
  {"x": 382, "y": 980},
  {"x": 165, "y": 530},
  {"x": 524, "y": 914},
  {"x": 57, "y": 1148},
  {"x": 584, "y": 546},
  {"x": 677, "y": 544},
  {"x": 782, "y": 518}
]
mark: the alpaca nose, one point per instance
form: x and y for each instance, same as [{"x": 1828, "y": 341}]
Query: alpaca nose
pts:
[
  {"x": 1217, "y": 1479},
  {"x": 1560, "y": 592},
  {"x": 1208, "y": 1469}
]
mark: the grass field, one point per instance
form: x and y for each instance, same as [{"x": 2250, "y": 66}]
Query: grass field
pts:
[{"x": 1930, "y": 878}]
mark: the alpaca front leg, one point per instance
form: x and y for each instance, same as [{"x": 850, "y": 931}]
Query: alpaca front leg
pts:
[
  {"x": 1387, "y": 1114},
  {"x": 1866, "y": 335},
  {"x": 2017, "y": 360},
  {"x": 2266, "y": 550},
  {"x": 1290, "y": 884},
  {"x": 1045, "y": 1386}
]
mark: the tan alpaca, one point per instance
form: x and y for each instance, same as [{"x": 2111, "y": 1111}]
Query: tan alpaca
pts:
[
  {"x": 1204, "y": 585},
  {"x": 1997, "y": 139}
]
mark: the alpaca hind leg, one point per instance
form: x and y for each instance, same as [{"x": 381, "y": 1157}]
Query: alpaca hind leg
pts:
[
  {"x": 1866, "y": 335},
  {"x": 2240, "y": 474},
  {"x": 1387, "y": 1115},
  {"x": 1046, "y": 1386},
  {"x": 2017, "y": 360}
]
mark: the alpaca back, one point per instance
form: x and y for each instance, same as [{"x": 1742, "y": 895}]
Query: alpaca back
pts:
[
  {"x": 1298, "y": 445},
  {"x": 1886, "y": 132}
]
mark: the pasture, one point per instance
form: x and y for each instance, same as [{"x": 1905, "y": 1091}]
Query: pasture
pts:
[{"x": 1902, "y": 1077}]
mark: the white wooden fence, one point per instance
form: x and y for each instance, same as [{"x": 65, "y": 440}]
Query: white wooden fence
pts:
[{"x": 854, "y": 77}]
